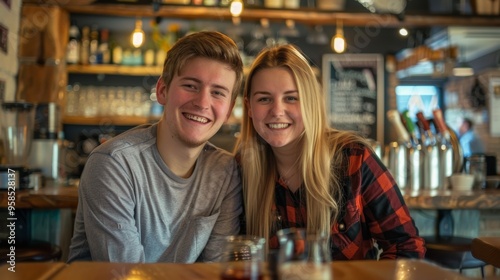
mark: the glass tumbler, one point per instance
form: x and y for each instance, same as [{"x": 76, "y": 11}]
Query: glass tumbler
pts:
[
  {"x": 476, "y": 165},
  {"x": 303, "y": 256},
  {"x": 243, "y": 258}
]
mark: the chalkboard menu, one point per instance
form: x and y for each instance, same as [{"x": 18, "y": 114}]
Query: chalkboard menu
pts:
[{"x": 354, "y": 90}]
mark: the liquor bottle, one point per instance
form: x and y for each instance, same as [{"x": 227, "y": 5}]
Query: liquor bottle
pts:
[
  {"x": 210, "y": 3},
  {"x": 73, "y": 49},
  {"x": 85, "y": 48},
  {"x": 117, "y": 54},
  {"x": 410, "y": 126},
  {"x": 149, "y": 53},
  {"x": 431, "y": 154},
  {"x": 446, "y": 159},
  {"x": 103, "y": 53},
  {"x": 253, "y": 3},
  {"x": 402, "y": 134},
  {"x": 94, "y": 45}
]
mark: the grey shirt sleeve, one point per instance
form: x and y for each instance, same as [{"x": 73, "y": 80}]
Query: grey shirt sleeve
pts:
[
  {"x": 106, "y": 205},
  {"x": 228, "y": 222}
]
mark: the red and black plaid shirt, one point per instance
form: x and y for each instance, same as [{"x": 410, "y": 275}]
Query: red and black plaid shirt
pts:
[{"x": 374, "y": 211}]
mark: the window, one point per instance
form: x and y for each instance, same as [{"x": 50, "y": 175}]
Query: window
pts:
[{"x": 415, "y": 98}]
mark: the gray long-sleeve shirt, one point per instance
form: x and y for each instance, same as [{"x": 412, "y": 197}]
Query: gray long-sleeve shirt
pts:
[{"x": 132, "y": 208}]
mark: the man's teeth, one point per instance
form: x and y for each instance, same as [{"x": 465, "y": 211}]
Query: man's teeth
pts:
[
  {"x": 278, "y": 125},
  {"x": 196, "y": 118}
]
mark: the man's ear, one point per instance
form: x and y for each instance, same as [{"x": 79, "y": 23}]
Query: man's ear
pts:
[
  {"x": 247, "y": 104},
  {"x": 161, "y": 92}
]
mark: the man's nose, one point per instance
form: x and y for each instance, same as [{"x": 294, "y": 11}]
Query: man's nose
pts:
[{"x": 202, "y": 99}]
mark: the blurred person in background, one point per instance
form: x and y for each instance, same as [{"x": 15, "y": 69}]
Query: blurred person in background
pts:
[{"x": 471, "y": 144}]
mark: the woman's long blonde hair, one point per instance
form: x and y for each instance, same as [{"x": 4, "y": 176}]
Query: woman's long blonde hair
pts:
[{"x": 321, "y": 159}]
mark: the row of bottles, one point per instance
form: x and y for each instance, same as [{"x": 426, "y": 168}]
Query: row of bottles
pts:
[
  {"x": 422, "y": 157},
  {"x": 90, "y": 45}
]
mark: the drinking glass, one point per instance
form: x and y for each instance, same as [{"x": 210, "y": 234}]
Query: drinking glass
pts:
[
  {"x": 303, "y": 256},
  {"x": 243, "y": 258}
]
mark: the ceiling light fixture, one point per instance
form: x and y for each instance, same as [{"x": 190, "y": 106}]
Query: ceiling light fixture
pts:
[
  {"x": 138, "y": 34},
  {"x": 403, "y": 32},
  {"x": 236, "y": 8},
  {"x": 462, "y": 68},
  {"x": 338, "y": 41}
]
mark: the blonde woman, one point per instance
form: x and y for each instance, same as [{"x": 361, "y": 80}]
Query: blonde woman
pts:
[{"x": 299, "y": 172}]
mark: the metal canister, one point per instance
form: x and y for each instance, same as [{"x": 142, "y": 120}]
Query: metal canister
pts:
[
  {"x": 397, "y": 162},
  {"x": 431, "y": 167},
  {"x": 446, "y": 163},
  {"x": 415, "y": 167}
]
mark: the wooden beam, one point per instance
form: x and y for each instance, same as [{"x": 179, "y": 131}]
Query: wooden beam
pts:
[{"x": 304, "y": 16}]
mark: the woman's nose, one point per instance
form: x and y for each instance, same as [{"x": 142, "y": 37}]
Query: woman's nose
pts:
[{"x": 278, "y": 108}]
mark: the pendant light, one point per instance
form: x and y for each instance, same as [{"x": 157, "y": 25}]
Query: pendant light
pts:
[
  {"x": 462, "y": 68},
  {"x": 338, "y": 41},
  {"x": 138, "y": 34},
  {"x": 236, "y": 8}
]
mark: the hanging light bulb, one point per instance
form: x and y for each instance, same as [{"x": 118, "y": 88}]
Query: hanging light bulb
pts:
[
  {"x": 338, "y": 41},
  {"x": 403, "y": 32},
  {"x": 138, "y": 34},
  {"x": 462, "y": 68},
  {"x": 236, "y": 8}
]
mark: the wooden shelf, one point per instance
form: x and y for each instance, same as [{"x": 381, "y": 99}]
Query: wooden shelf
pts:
[
  {"x": 303, "y": 15},
  {"x": 115, "y": 70},
  {"x": 104, "y": 120}
]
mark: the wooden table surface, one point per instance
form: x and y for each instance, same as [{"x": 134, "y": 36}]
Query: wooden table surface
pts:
[
  {"x": 31, "y": 271},
  {"x": 364, "y": 270}
]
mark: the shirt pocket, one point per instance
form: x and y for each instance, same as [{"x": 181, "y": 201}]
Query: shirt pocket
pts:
[{"x": 346, "y": 234}]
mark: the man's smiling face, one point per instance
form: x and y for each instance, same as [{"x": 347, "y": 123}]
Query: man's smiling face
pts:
[{"x": 198, "y": 100}]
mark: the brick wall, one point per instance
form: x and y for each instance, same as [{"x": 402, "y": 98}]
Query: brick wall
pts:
[{"x": 456, "y": 101}]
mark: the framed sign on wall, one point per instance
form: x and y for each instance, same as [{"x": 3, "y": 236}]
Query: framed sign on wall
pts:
[{"x": 354, "y": 91}]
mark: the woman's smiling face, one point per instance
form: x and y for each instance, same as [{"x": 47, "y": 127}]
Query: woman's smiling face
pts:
[{"x": 274, "y": 106}]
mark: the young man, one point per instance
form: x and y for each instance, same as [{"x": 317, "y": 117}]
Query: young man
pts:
[{"x": 161, "y": 192}]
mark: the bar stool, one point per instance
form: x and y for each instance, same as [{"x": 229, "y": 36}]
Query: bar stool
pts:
[
  {"x": 487, "y": 249},
  {"x": 31, "y": 251},
  {"x": 452, "y": 252}
]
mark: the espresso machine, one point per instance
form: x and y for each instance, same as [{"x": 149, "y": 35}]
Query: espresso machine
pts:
[
  {"x": 46, "y": 151},
  {"x": 17, "y": 119}
]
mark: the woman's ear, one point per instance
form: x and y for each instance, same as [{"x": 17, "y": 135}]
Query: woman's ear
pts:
[{"x": 161, "y": 92}]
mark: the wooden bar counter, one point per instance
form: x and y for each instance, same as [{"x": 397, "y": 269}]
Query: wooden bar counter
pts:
[
  {"x": 450, "y": 199},
  {"x": 54, "y": 196},
  {"x": 373, "y": 270},
  {"x": 50, "y": 197},
  {"x": 57, "y": 196}
]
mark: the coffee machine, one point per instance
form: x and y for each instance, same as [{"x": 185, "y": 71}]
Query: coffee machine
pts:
[
  {"x": 17, "y": 119},
  {"x": 46, "y": 151}
]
